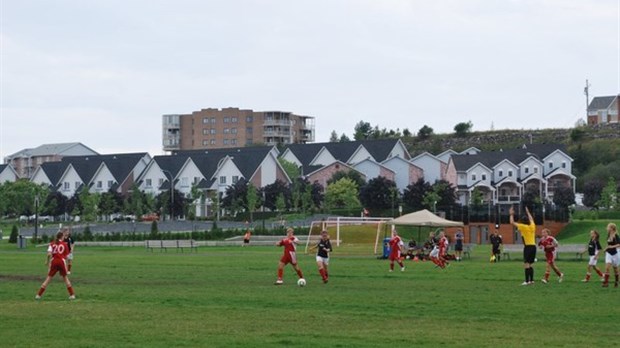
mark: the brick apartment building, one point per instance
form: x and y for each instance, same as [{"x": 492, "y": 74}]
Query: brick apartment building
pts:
[
  {"x": 26, "y": 161},
  {"x": 233, "y": 127}
]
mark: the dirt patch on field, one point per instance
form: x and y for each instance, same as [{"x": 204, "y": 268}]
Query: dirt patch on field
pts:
[{"x": 19, "y": 277}]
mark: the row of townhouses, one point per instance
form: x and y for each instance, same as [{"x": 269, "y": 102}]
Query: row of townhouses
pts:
[{"x": 501, "y": 176}]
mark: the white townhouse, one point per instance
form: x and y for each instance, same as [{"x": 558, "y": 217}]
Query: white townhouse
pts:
[
  {"x": 7, "y": 173},
  {"x": 432, "y": 166}
]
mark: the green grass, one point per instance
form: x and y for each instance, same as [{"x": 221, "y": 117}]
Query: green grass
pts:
[
  {"x": 225, "y": 297},
  {"x": 578, "y": 232}
]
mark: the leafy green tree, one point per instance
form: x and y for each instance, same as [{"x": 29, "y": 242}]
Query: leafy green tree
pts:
[
  {"x": 406, "y": 132},
  {"x": 89, "y": 204},
  {"x": 14, "y": 235},
  {"x": 280, "y": 202},
  {"x": 446, "y": 192},
  {"x": 425, "y": 132},
  {"x": 342, "y": 194},
  {"x": 609, "y": 195},
  {"x": 564, "y": 197},
  {"x": 251, "y": 197},
  {"x": 378, "y": 193},
  {"x": 463, "y": 129},
  {"x": 476, "y": 197},
  {"x": 292, "y": 170},
  {"x": 333, "y": 138},
  {"x": 413, "y": 195},
  {"x": 235, "y": 198},
  {"x": 592, "y": 193},
  {"x": 273, "y": 191},
  {"x": 430, "y": 200},
  {"x": 362, "y": 130},
  {"x": 110, "y": 203},
  {"x": 350, "y": 174},
  {"x": 344, "y": 138}
]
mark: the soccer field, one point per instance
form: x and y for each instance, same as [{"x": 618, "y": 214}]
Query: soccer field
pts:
[{"x": 225, "y": 297}]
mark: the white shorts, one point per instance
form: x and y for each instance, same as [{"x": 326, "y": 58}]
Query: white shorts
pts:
[
  {"x": 70, "y": 257},
  {"x": 593, "y": 260},
  {"x": 434, "y": 252},
  {"x": 325, "y": 260},
  {"x": 613, "y": 259}
]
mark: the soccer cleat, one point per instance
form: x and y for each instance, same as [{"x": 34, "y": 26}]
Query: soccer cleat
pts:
[
  {"x": 402, "y": 269},
  {"x": 72, "y": 297},
  {"x": 525, "y": 283},
  {"x": 615, "y": 285},
  {"x": 68, "y": 273},
  {"x": 279, "y": 282},
  {"x": 325, "y": 281},
  {"x": 605, "y": 285},
  {"x": 602, "y": 279},
  {"x": 37, "y": 297},
  {"x": 561, "y": 278},
  {"x": 544, "y": 280},
  {"x": 585, "y": 280}
]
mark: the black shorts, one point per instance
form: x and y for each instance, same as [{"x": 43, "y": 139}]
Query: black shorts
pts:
[
  {"x": 246, "y": 241},
  {"x": 458, "y": 247},
  {"x": 529, "y": 253},
  {"x": 496, "y": 250}
]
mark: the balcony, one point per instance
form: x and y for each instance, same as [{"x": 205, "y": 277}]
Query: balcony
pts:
[
  {"x": 286, "y": 123},
  {"x": 508, "y": 199},
  {"x": 276, "y": 133}
]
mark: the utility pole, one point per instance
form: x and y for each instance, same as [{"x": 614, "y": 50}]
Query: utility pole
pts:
[{"x": 586, "y": 91}]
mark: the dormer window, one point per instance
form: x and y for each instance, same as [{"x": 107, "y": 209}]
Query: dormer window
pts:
[
  {"x": 564, "y": 165},
  {"x": 501, "y": 173},
  {"x": 526, "y": 170},
  {"x": 536, "y": 170},
  {"x": 510, "y": 173},
  {"x": 484, "y": 177},
  {"x": 550, "y": 165},
  {"x": 473, "y": 177}
]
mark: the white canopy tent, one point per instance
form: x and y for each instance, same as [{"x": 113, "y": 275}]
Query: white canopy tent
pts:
[{"x": 421, "y": 218}]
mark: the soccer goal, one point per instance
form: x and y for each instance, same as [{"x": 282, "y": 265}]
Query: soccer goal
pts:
[{"x": 339, "y": 224}]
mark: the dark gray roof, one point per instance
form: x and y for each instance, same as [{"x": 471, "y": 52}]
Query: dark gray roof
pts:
[
  {"x": 599, "y": 103},
  {"x": 2, "y": 167},
  {"x": 54, "y": 170},
  {"x": 120, "y": 165},
  {"x": 342, "y": 151},
  {"x": 49, "y": 150}
]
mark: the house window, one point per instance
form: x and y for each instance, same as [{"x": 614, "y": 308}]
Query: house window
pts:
[
  {"x": 233, "y": 141},
  {"x": 212, "y": 120},
  {"x": 501, "y": 173},
  {"x": 66, "y": 186},
  {"x": 77, "y": 184},
  {"x": 110, "y": 183},
  {"x": 148, "y": 183},
  {"x": 226, "y": 130},
  {"x": 212, "y": 130},
  {"x": 99, "y": 184},
  {"x": 226, "y": 119},
  {"x": 249, "y": 130},
  {"x": 535, "y": 170},
  {"x": 205, "y": 142},
  {"x": 233, "y": 130},
  {"x": 550, "y": 165},
  {"x": 184, "y": 182},
  {"x": 249, "y": 119},
  {"x": 205, "y": 120},
  {"x": 249, "y": 141},
  {"x": 484, "y": 177},
  {"x": 196, "y": 180},
  {"x": 563, "y": 164},
  {"x": 205, "y": 131},
  {"x": 222, "y": 180},
  {"x": 473, "y": 177},
  {"x": 235, "y": 179},
  {"x": 161, "y": 182},
  {"x": 212, "y": 142},
  {"x": 233, "y": 120},
  {"x": 225, "y": 141},
  {"x": 526, "y": 170},
  {"x": 510, "y": 173}
]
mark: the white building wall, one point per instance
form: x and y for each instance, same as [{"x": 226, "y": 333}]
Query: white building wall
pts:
[
  {"x": 369, "y": 168},
  {"x": 400, "y": 167},
  {"x": 268, "y": 171},
  {"x": 70, "y": 182},
  {"x": 7, "y": 175},
  {"x": 101, "y": 180},
  {"x": 431, "y": 167},
  {"x": 324, "y": 158},
  {"x": 188, "y": 175},
  {"x": 360, "y": 155}
]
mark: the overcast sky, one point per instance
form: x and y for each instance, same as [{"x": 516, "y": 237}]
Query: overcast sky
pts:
[{"x": 104, "y": 72}]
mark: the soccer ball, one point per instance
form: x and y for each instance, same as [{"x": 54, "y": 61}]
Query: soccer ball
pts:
[{"x": 301, "y": 282}]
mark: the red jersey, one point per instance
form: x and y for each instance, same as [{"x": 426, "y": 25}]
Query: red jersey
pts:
[
  {"x": 59, "y": 250},
  {"x": 395, "y": 243},
  {"x": 443, "y": 245},
  {"x": 547, "y": 244},
  {"x": 289, "y": 244}
]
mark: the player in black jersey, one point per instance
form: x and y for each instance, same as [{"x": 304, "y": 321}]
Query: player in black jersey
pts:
[
  {"x": 324, "y": 247},
  {"x": 594, "y": 246}
]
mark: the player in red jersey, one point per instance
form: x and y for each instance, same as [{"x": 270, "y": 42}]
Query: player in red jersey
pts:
[
  {"x": 57, "y": 252},
  {"x": 289, "y": 243},
  {"x": 396, "y": 245},
  {"x": 548, "y": 244},
  {"x": 443, "y": 249}
]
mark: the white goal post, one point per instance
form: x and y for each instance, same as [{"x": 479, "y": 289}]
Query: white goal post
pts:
[{"x": 337, "y": 221}]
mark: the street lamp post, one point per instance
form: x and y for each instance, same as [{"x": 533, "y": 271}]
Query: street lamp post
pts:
[
  {"x": 36, "y": 217},
  {"x": 171, "y": 193},
  {"x": 263, "y": 211}
]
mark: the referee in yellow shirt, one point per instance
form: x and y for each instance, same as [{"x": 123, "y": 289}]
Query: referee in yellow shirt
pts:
[{"x": 527, "y": 228}]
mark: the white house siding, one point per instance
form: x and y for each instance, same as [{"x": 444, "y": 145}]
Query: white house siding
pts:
[
  {"x": 101, "y": 179},
  {"x": 268, "y": 171},
  {"x": 505, "y": 168},
  {"x": 558, "y": 158},
  {"x": 41, "y": 178},
  {"x": 228, "y": 169},
  {"x": 431, "y": 166},
  {"x": 290, "y": 156},
  {"x": 361, "y": 154},
  {"x": 530, "y": 165},
  {"x": 398, "y": 150},
  {"x": 369, "y": 168},
  {"x": 153, "y": 174},
  {"x": 7, "y": 175},
  {"x": 69, "y": 182},
  {"x": 400, "y": 167},
  {"x": 187, "y": 176},
  {"x": 323, "y": 158}
]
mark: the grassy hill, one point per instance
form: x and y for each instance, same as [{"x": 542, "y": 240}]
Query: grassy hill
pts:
[{"x": 578, "y": 232}]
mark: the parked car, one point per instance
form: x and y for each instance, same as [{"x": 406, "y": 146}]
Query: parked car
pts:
[{"x": 149, "y": 217}]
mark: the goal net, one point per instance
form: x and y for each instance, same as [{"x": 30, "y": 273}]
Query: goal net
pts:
[{"x": 360, "y": 231}]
